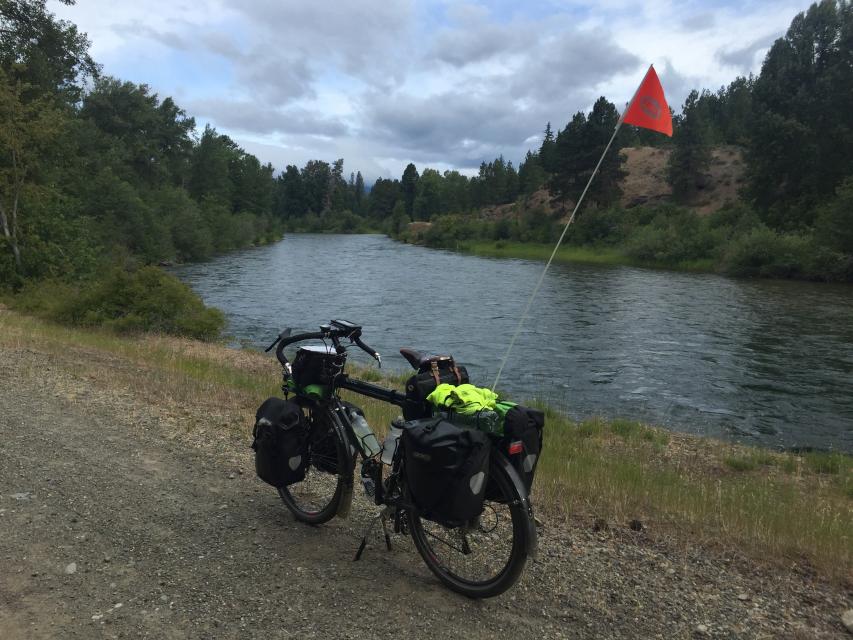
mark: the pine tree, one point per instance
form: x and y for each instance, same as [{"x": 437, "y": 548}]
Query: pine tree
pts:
[{"x": 692, "y": 153}]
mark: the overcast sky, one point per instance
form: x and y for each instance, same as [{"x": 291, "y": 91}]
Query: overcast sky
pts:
[{"x": 441, "y": 84}]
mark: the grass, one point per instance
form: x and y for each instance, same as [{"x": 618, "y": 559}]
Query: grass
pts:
[
  {"x": 532, "y": 251},
  {"x": 775, "y": 506},
  {"x": 580, "y": 255}
]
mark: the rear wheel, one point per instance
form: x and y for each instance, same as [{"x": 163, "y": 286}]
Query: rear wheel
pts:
[
  {"x": 318, "y": 497},
  {"x": 485, "y": 557}
]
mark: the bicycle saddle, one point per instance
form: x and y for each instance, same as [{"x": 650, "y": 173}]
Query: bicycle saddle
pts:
[{"x": 415, "y": 358}]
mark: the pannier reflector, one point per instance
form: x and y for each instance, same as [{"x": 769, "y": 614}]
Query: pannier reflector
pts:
[{"x": 515, "y": 447}]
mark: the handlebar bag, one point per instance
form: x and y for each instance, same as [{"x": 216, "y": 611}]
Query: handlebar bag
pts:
[
  {"x": 446, "y": 469},
  {"x": 317, "y": 364},
  {"x": 281, "y": 442}
]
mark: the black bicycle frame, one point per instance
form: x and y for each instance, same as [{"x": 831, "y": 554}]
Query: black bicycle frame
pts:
[{"x": 372, "y": 391}]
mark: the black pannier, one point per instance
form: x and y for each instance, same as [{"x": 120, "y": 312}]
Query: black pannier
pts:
[
  {"x": 316, "y": 364},
  {"x": 446, "y": 469},
  {"x": 281, "y": 442},
  {"x": 524, "y": 425},
  {"x": 438, "y": 370}
]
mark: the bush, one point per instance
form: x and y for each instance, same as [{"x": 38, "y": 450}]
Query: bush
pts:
[
  {"x": 147, "y": 299},
  {"x": 767, "y": 253}
]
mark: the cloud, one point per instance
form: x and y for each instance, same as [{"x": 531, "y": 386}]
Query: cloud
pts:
[
  {"x": 257, "y": 118},
  {"x": 436, "y": 82},
  {"x": 743, "y": 58},
  {"x": 357, "y": 36},
  {"x": 699, "y": 21}
]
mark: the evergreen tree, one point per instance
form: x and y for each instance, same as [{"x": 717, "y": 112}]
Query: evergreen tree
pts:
[
  {"x": 691, "y": 155},
  {"x": 409, "y": 184},
  {"x": 548, "y": 151},
  {"x": 801, "y": 144}
]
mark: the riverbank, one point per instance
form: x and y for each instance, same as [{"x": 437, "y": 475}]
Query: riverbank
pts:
[
  {"x": 579, "y": 255},
  {"x": 777, "y": 508}
]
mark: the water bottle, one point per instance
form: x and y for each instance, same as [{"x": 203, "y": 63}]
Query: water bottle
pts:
[
  {"x": 389, "y": 446},
  {"x": 369, "y": 443}
]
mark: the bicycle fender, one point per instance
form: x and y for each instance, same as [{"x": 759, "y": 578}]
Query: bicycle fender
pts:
[
  {"x": 346, "y": 497},
  {"x": 531, "y": 541}
]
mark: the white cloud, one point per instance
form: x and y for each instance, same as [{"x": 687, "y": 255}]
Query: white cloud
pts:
[{"x": 446, "y": 83}]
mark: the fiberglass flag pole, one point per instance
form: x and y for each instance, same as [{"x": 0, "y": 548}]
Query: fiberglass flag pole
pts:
[{"x": 649, "y": 112}]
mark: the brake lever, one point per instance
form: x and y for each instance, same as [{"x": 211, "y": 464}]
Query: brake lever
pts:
[{"x": 284, "y": 334}]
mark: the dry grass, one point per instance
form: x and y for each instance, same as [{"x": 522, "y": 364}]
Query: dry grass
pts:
[
  {"x": 776, "y": 506},
  {"x": 646, "y": 177}
]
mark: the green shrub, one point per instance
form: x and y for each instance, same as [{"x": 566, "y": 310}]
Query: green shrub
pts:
[
  {"x": 147, "y": 299},
  {"x": 767, "y": 253}
]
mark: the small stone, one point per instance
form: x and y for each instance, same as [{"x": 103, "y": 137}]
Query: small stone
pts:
[
  {"x": 847, "y": 620},
  {"x": 670, "y": 571},
  {"x": 743, "y": 597},
  {"x": 164, "y": 598},
  {"x": 107, "y": 559},
  {"x": 71, "y": 568},
  {"x": 702, "y": 629},
  {"x": 231, "y": 476},
  {"x": 97, "y": 616}
]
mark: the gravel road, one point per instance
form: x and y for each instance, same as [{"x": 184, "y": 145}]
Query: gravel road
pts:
[{"x": 113, "y": 524}]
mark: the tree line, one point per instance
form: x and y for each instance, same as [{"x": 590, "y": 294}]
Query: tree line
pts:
[{"x": 95, "y": 168}]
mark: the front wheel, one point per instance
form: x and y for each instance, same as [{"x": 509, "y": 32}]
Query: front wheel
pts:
[
  {"x": 317, "y": 498},
  {"x": 485, "y": 557}
]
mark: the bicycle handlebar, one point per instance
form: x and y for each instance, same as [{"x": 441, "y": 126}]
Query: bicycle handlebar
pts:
[{"x": 335, "y": 331}]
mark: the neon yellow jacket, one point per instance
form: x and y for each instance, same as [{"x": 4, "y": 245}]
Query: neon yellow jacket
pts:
[{"x": 467, "y": 399}]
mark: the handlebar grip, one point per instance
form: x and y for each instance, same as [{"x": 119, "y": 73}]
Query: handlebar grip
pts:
[
  {"x": 369, "y": 350},
  {"x": 279, "y": 351}
]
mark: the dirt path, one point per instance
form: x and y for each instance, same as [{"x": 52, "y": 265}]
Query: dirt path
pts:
[{"x": 113, "y": 526}]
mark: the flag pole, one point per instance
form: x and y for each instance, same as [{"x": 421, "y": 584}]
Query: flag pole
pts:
[{"x": 557, "y": 246}]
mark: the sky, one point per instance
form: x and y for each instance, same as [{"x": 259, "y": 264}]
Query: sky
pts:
[{"x": 443, "y": 84}]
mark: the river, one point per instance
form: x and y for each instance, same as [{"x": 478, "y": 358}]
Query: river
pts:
[{"x": 762, "y": 362}]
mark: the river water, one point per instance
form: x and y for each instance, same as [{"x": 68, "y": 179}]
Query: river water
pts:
[{"x": 761, "y": 362}]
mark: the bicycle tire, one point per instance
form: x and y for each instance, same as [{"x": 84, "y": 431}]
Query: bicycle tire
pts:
[
  {"x": 317, "y": 498},
  {"x": 506, "y": 499}
]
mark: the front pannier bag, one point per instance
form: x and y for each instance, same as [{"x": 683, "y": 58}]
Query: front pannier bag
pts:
[
  {"x": 446, "y": 469},
  {"x": 281, "y": 442}
]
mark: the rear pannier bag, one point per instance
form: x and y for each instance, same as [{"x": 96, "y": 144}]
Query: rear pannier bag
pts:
[
  {"x": 446, "y": 469},
  {"x": 281, "y": 442},
  {"x": 438, "y": 370},
  {"x": 523, "y": 424}
]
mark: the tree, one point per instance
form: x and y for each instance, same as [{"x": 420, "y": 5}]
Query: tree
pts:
[
  {"x": 358, "y": 193},
  {"x": 692, "y": 153},
  {"x": 428, "y": 199},
  {"x": 27, "y": 129},
  {"x": 155, "y": 136},
  {"x": 409, "y": 184},
  {"x": 548, "y": 150},
  {"x": 383, "y": 198},
  {"x": 210, "y": 168},
  {"x": 44, "y": 54},
  {"x": 801, "y": 145}
]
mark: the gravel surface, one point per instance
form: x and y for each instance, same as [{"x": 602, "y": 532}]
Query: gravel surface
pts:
[{"x": 115, "y": 524}]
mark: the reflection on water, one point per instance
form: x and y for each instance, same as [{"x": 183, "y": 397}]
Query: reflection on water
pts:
[{"x": 764, "y": 362}]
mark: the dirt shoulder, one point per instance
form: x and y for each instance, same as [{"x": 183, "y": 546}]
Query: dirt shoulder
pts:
[{"x": 117, "y": 521}]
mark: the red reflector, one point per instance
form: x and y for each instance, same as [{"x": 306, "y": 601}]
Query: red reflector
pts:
[{"x": 515, "y": 447}]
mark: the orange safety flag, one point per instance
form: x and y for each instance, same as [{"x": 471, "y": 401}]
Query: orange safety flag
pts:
[{"x": 648, "y": 109}]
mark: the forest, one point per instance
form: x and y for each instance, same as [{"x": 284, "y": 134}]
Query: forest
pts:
[{"x": 101, "y": 179}]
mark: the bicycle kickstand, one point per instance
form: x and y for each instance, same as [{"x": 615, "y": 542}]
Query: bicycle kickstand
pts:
[{"x": 383, "y": 518}]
